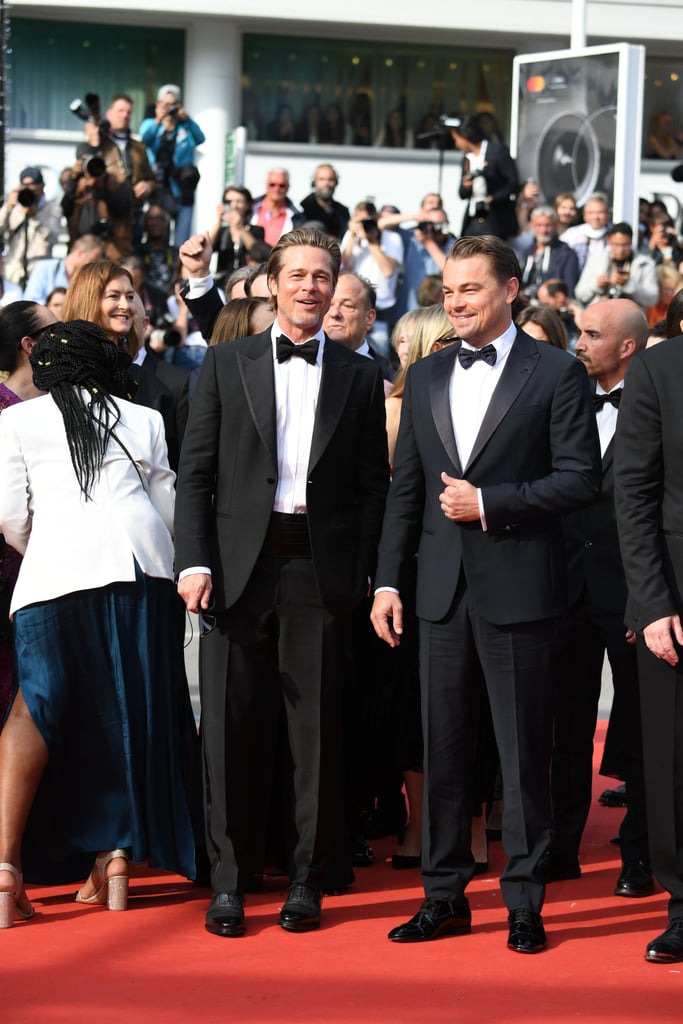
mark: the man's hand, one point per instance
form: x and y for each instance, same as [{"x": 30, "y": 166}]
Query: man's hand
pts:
[
  {"x": 143, "y": 189},
  {"x": 387, "y": 617},
  {"x": 195, "y": 591},
  {"x": 195, "y": 254},
  {"x": 660, "y": 635},
  {"x": 459, "y": 500}
]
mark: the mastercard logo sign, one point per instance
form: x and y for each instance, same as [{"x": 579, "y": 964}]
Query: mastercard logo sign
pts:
[{"x": 535, "y": 84}]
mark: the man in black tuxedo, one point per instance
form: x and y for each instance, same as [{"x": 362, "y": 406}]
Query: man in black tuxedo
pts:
[
  {"x": 497, "y": 441},
  {"x": 648, "y": 488},
  {"x": 612, "y": 332},
  {"x": 351, "y": 316},
  {"x": 281, "y": 489}
]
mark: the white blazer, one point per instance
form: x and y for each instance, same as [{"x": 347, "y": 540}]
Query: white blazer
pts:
[{"x": 68, "y": 543}]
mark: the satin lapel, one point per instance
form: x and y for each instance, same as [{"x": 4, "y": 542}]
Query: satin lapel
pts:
[
  {"x": 608, "y": 457},
  {"x": 439, "y": 396},
  {"x": 255, "y": 365},
  {"x": 335, "y": 384},
  {"x": 520, "y": 364}
]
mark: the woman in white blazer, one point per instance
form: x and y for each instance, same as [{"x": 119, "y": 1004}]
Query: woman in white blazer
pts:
[{"x": 90, "y": 756}]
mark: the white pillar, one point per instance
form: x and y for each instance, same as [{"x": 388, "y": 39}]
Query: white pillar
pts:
[
  {"x": 578, "y": 40},
  {"x": 213, "y": 65}
]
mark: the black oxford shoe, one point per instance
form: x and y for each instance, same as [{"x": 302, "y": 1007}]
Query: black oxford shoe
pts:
[
  {"x": 667, "y": 948},
  {"x": 301, "y": 912},
  {"x": 225, "y": 915},
  {"x": 527, "y": 934},
  {"x": 433, "y": 919},
  {"x": 635, "y": 880}
]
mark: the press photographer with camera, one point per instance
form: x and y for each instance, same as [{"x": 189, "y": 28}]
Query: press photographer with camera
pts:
[
  {"x": 489, "y": 181},
  {"x": 426, "y": 240},
  {"x": 124, "y": 183},
  {"x": 30, "y": 224},
  {"x": 171, "y": 137},
  {"x": 376, "y": 255},
  {"x": 619, "y": 272}
]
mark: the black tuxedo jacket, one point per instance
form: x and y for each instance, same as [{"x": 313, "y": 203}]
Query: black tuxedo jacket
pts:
[
  {"x": 592, "y": 543},
  {"x": 153, "y": 393},
  {"x": 536, "y": 457},
  {"x": 648, "y": 483},
  {"x": 502, "y": 185},
  {"x": 228, "y": 470},
  {"x": 205, "y": 309}
]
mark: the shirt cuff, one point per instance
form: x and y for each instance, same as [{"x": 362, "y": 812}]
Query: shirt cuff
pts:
[
  {"x": 198, "y": 286},
  {"x": 386, "y": 590},
  {"x": 194, "y": 569},
  {"x": 482, "y": 514}
]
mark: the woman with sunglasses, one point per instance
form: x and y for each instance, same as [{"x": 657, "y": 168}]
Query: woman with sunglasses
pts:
[{"x": 92, "y": 749}]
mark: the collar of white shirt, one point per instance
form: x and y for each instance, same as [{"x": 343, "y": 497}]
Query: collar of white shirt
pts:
[{"x": 502, "y": 345}]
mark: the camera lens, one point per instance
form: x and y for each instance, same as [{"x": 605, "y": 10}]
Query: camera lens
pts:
[{"x": 26, "y": 197}]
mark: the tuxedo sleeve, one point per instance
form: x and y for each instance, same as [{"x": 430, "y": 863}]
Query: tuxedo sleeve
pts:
[
  {"x": 638, "y": 475},
  {"x": 574, "y": 474},
  {"x": 197, "y": 471},
  {"x": 405, "y": 502},
  {"x": 205, "y": 309}
]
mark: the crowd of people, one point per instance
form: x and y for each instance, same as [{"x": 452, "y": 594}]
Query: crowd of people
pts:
[{"x": 389, "y": 467}]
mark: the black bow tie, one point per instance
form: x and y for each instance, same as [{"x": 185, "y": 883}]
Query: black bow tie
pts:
[
  {"x": 467, "y": 356},
  {"x": 614, "y": 397},
  {"x": 285, "y": 349}
]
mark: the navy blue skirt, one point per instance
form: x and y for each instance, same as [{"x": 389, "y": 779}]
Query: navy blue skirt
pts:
[{"x": 103, "y": 676}]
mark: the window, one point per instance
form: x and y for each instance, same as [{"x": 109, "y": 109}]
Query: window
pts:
[
  {"x": 366, "y": 93},
  {"x": 54, "y": 62}
]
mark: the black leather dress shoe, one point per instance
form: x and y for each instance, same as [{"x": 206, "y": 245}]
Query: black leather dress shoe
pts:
[
  {"x": 614, "y": 797},
  {"x": 553, "y": 867},
  {"x": 433, "y": 919},
  {"x": 403, "y": 861},
  {"x": 301, "y": 911},
  {"x": 667, "y": 948},
  {"x": 225, "y": 915},
  {"x": 527, "y": 934},
  {"x": 635, "y": 880}
]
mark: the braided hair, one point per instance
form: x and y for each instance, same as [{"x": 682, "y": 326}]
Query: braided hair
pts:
[{"x": 67, "y": 361}]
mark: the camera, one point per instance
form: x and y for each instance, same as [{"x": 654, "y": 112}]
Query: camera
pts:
[
  {"x": 164, "y": 333},
  {"x": 425, "y": 226},
  {"x": 94, "y": 166},
  {"x": 173, "y": 110},
  {"x": 89, "y": 110},
  {"x": 26, "y": 197},
  {"x": 449, "y": 122},
  {"x": 370, "y": 226}
]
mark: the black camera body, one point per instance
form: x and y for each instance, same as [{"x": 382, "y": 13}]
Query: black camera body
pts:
[
  {"x": 90, "y": 110},
  {"x": 26, "y": 197}
]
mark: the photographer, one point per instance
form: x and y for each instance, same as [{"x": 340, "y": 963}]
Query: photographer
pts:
[
  {"x": 425, "y": 247},
  {"x": 171, "y": 137},
  {"x": 663, "y": 244},
  {"x": 30, "y": 225},
  {"x": 489, "y": 182},
  {"x": 376, "y": 255},
  {"x": 618, "y": 272},
  {"x": 92, "y": 203},
  {"x": 232, "y": 236},
  {"x": 127, "y": 175}
]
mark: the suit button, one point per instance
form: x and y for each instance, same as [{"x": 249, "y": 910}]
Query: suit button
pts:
[
  {"x": 588, "y": 544},
  {"x": 271, "y": 480}
]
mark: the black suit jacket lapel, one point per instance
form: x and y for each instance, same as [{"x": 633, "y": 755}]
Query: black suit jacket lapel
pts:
[
  {"x": 440, "y": 399},
  {"x": 519, "y": 366},
  {"x": 335, "y": 385},
  {"x": 255, "y": 365}
]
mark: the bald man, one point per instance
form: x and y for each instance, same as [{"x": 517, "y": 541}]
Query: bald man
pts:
[{"x": 612, "y": 332}]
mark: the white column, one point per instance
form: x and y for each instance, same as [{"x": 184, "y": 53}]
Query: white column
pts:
[
  {"x": 578, "y": 41},
  {"x": 213, "y": 65}
]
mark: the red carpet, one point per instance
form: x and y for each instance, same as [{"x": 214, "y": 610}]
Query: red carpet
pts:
[{"x": 156, "y": 963}]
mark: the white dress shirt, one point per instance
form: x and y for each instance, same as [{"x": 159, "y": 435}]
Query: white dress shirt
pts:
[
  {"x": 606, "y": 418},
  {"x": 297, "y": 384}
]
